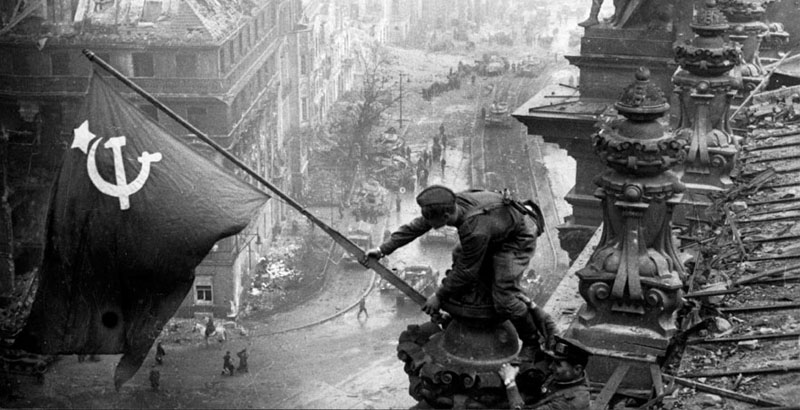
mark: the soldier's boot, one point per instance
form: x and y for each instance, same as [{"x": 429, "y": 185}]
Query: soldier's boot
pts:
[
  {"x": 592, "y": 20},
  {"x": 526, "y": 329}
]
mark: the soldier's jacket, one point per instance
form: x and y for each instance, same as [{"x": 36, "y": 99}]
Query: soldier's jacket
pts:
[
  {"x": 485, "y": 223},
  {"x": 565, "y": 396},
  {"x": 573, "y": 395}
]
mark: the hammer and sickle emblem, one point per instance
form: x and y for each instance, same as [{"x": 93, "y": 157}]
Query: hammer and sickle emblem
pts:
[{"x": 122, "y": 189}]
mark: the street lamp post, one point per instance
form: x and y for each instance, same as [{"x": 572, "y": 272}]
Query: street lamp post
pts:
[{"x": 401, "y": 102}]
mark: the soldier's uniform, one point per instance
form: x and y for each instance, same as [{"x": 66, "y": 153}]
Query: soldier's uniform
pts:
[
  {"x": 572, "y": 395},
  {"x": 495, "y": 238},
  {"x": 560, "y": 395}
]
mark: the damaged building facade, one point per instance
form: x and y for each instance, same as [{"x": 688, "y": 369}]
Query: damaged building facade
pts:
[{"x": 250, "y": 74}]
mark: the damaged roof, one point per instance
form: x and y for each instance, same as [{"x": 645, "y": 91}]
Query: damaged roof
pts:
[{"x": 173, "y": 21}]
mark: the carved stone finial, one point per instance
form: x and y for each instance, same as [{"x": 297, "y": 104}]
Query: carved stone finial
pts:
[
  {"x": 642, "y": 100},
  {"x": 743, "y": 10},
  {"x": 709, "y": 18},
  {"x": 708, "y": 54}
]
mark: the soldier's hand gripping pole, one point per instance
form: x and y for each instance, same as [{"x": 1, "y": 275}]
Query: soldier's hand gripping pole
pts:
[{"x": 347, "y": 244}]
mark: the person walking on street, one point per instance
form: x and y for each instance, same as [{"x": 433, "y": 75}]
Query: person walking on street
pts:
[
  {"x": 497, "y": 238},
  {"x": 210, "y": 328},
  {"x": 443, "y": 163},
  {"x": 398, "y": 200},
  {"x": 242, "y": 361},
  {"x": 227, "y": 364},
  {"x": 362, "y": 308},
  {"x": 441, "y": 129},
  {"x": 160, "y": 353},
  {"x": 422, "y": 176}
]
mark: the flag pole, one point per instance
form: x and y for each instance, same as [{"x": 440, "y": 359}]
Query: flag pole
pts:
[{"x": 342, "y": 240}]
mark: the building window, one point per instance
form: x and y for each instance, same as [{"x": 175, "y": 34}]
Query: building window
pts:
[
  {"x": 143, "y": 65},
  {"x": 186, "y": 65},
  {"x": 203, "y": 290},
  {"x": 150, "y": 110},
  {"x": 304, "y": 109},
  {"x": 59, "y": 63},
  {"x": 204, "y": 294}
]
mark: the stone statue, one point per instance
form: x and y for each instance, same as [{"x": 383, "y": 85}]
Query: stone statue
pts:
[{"x": 630, "y": 11}]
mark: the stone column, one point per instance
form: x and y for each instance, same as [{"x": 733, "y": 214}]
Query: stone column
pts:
[
  {"x": 705, "y": 87},
  {"x": 632, "y": 283},
  {"x": 748, "y": 30}
]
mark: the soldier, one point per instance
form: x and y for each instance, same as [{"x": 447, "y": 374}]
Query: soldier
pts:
[
  {"x": 242, "y": 361},
  {"x": 227, "y": 364},
  {"x": 398, "y": 200},
  {"x": 210, "y": 329},
  {"x": 497, "y": 242},
  {"x": 362, "y": 308},
  {"x": 160, "y": 353},
  {"x": 437, "y": 150},
  {"x": 567, "y": 389},
  {"x": 422, "y": 177}
]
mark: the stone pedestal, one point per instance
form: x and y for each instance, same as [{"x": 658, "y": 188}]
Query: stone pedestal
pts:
[
  {"x": 632, "y": 284},
  {"x": 609, "y": 55},
  {"x": 705, "y": 86}
]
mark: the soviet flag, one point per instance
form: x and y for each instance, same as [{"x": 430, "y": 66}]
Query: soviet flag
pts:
[{"x": 133, "y": 211}]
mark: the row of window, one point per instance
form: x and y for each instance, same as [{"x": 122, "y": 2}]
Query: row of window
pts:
[
  {"x": 62, "y": 64},
  {"x": 249, "y": 36}
]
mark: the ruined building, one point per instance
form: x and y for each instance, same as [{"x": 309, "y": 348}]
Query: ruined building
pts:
[{"x": 241, "y": 71}]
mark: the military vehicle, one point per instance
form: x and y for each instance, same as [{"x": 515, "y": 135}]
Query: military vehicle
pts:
[
  {"x": 497, "y": 115},
  {"x": 370, "y": 201},
  {"x": 421, "y": 277},
  {"x": 394, "y": 173}
]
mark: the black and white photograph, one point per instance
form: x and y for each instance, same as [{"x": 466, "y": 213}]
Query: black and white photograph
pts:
[{"x": 400, "y": 204}]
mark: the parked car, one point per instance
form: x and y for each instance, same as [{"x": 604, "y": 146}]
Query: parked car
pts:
[{"x": 447, "y": 235}]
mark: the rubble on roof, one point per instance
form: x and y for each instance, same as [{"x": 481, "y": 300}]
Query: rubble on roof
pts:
[{"x": 170, "y": 21}]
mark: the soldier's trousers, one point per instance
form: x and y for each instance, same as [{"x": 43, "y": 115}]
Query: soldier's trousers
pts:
[{"x": 509, "y": 264}]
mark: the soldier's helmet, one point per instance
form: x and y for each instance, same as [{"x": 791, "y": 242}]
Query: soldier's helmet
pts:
[{"x": 570, "y": 350}]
